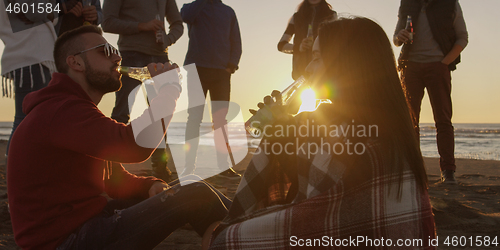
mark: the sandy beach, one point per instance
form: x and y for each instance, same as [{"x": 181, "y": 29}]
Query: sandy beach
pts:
[{"x": 469, "y": 209}]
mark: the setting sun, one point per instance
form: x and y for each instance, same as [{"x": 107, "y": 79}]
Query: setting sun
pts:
[{"x": 308, "y": 98}]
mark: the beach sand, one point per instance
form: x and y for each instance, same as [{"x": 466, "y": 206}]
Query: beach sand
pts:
[{"x": 471, "y": 208}]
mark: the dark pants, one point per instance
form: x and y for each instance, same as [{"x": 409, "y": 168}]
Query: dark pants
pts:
[
  {"x": 121, "y": 111},
  {"x": 24, "y": 88},
  {"x": 436, "y": 78},
  {"x": 143, "y": 225},
  {"x": 218, "y": 83}
]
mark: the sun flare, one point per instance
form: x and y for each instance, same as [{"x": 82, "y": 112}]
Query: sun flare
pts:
[{"x": 308, "y": 98}]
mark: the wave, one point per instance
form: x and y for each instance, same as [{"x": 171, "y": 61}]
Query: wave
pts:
[{"x": 465, "y": 130}]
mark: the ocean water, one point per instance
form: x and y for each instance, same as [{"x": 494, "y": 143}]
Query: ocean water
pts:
[
  {"x": 5, "y": 130},
  {"x": 472, "y": 141}
]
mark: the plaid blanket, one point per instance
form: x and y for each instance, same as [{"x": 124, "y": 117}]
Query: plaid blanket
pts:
[{"x": 328, "y": 201}]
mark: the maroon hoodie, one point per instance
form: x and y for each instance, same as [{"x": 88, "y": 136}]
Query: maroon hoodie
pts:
[{"x": 60, "y": 164}]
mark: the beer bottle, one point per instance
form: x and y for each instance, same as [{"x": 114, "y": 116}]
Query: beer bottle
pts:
[
  {"x": 409, "y": 28},
  {"x": 264, "y": 116},
  {"x": 159, "y": 33},
  {"x": 86, "y": 3},
  {"x": 310, "y": 35},
  {"x": 137, "y": 73},
  {"x": 140, "y": 73}
]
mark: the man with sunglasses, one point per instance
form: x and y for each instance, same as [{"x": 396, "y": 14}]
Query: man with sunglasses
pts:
[
  {"x": 65, "y": 156},
  {"x": 142, "y": 40}
]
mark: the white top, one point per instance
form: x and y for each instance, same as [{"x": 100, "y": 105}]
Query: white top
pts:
[{"x": 34, "y": 45}]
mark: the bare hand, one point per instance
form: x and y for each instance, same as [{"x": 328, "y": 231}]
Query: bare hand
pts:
[
  {"x": 164, "y": 74},
  {"x": 403, "y": 36},
  {"x": 306, "y": 45},
  {"x": 158, "y": 68},
  {"x": 158, "y": 187},
  {"x": 152, "y": 25},
  {"x": 273, "y": 101},
  {"x": 89, "y": 13},
  {"x": 77, "y": 9}
]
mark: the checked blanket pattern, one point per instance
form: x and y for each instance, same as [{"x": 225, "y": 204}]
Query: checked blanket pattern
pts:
[{"x": 282, "y": 199}]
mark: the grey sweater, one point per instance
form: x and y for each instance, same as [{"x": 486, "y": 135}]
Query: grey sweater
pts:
[{"x": 123, "y": 17}]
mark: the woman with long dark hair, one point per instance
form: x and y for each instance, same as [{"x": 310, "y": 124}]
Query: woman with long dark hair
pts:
[
  {"x": 351, "y": 169},
  {"x": 309, "y": 13}
]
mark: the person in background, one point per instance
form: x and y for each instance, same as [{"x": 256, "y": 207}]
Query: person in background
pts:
[
  {"x": 72, "y": 192},
  {"x": 440, "y": 35},
  {"x": 215, "y": 48},
  {"x": 27, "y": 61},
  {"x": 78, "y": 13},
  {"x": 376, "y": 189},
  {"x": 142, "y": 40},
  {"x": 310, "y": 13}
]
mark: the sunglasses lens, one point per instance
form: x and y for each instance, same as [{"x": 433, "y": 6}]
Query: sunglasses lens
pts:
[
  {"x": 106, "y": 50},
  {"x": 110, "y": 50}
]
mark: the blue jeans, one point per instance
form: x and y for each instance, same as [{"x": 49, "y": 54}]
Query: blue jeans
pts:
[
  {"x": 121, "y": 111},
  {"x": 143, "y": 225},
  {"x": 21, "y": 91}
]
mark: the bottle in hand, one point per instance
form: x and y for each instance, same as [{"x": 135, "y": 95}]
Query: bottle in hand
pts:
[
  {"x": 159, "y": 33},
  {"x": 310, "y": 35},
  {"x": 138, "y": 73},
  {"x": 141, "y": 73},
  {"x": 264, "y": 116},
  {"x": 86, "y": 3},
  {"x": 409, "y": 28}
]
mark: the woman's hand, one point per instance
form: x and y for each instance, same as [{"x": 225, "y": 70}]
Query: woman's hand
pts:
[{"x": 306, "y": 45}]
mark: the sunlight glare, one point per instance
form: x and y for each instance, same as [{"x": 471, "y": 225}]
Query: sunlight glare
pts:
[{"x": 308, "y": 98}]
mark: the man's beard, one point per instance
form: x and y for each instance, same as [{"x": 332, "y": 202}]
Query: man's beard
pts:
[{"x": 101, "y": 81}]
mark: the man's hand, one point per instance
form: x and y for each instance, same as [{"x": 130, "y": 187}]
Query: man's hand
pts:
[
  {"x": 77, "y": 10},
  {"x": 158, "y": 68},
  {"x": 306, "y": 45},
  {"x": 152, "y": 25},
  {"x": 89, "y": 13},
  {"x": 157, "y": 188},
  {"x": 403, "y": 36},
  {"x": 171, "y": 76}
]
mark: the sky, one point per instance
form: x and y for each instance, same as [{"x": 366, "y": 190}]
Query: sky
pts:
[{"x": 475, "y": 84}]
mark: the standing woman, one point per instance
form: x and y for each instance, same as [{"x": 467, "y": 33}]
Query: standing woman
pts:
[
  {"x": 310, "y": 12},
  {"x": 27, "y": 62}
]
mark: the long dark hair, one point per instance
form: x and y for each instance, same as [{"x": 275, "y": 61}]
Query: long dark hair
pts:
[
  {"x": 305, "y": 7},
  {"x": 362, "y": 77},
  {"x": 314, "y": 14}
]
